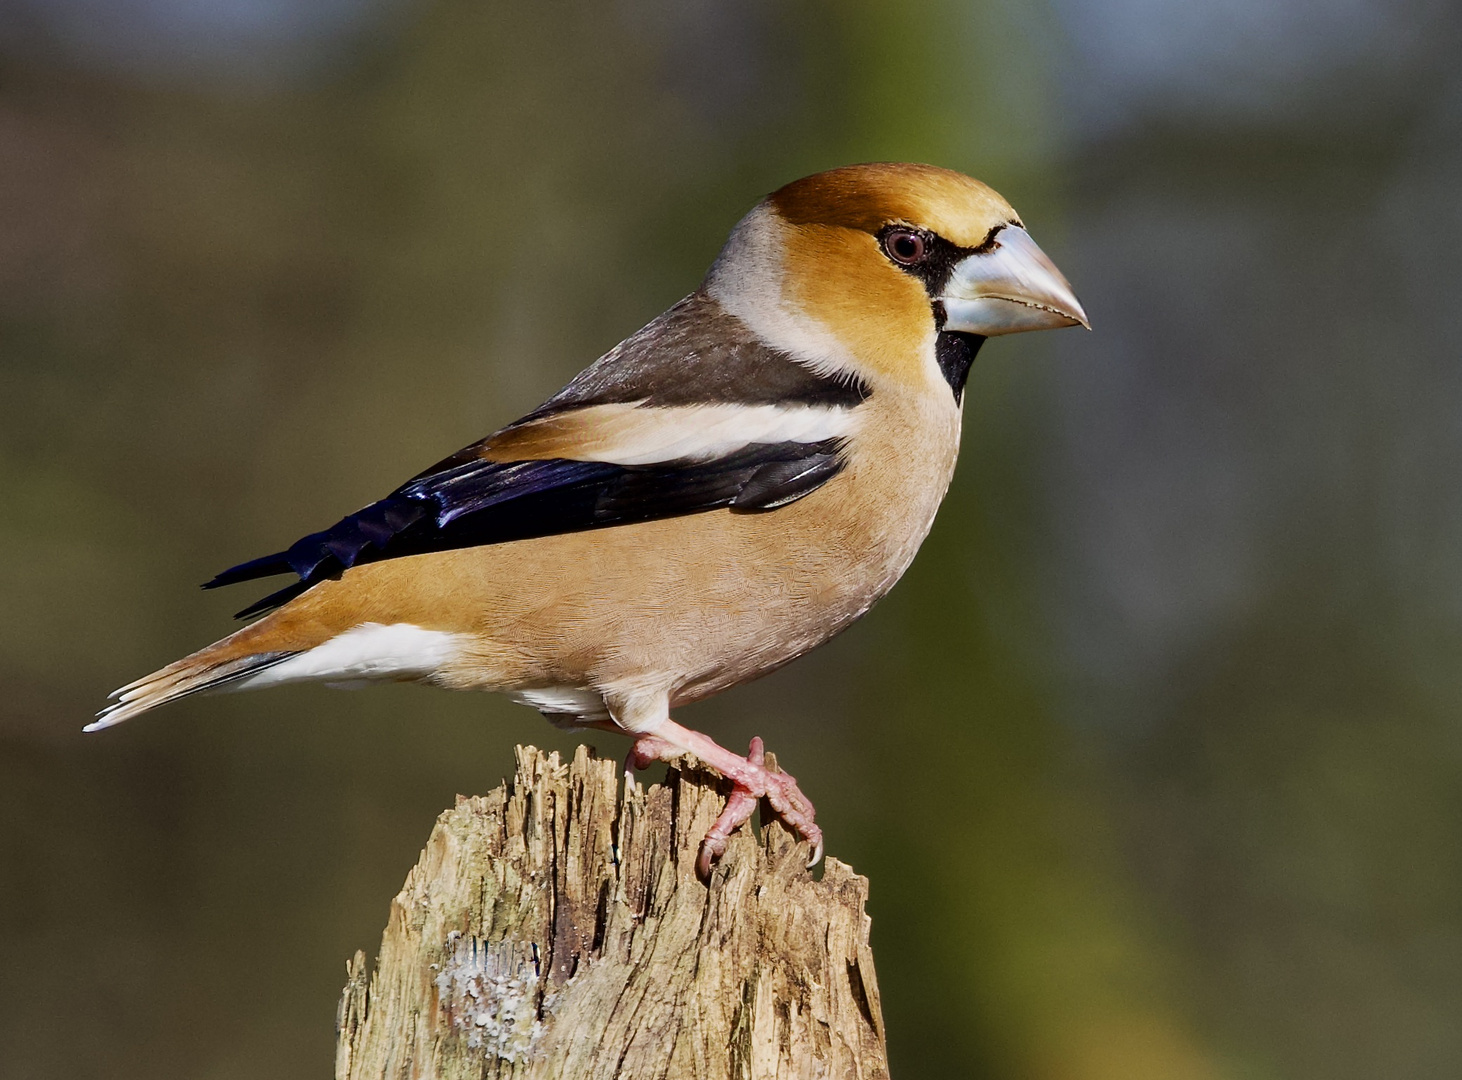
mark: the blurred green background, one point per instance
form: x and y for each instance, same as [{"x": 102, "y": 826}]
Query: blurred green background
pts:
[{"x": 1154, "y": 758}]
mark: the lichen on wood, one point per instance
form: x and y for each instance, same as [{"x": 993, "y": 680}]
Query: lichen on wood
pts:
[{"x": 555, "y": 928}]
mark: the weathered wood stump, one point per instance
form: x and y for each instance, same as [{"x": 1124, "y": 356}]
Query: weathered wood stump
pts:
[{"x": 551, "y": 929}]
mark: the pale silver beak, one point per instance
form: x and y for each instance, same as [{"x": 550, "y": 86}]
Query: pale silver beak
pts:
[{"x": 1010, "y": 288}]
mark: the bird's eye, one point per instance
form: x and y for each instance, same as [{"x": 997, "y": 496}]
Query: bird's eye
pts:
[{"x": 904, "y": 246}]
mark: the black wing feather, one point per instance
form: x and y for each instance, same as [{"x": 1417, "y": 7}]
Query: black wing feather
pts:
[
  {"x": 475, "y": 502},
  {"x": 778, "y": 483}
]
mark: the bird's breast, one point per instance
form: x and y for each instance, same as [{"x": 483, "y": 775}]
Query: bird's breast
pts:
[{"x": 794, "y": 578}]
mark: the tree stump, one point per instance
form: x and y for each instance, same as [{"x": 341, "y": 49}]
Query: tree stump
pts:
[{"x": 553, "y": 930}]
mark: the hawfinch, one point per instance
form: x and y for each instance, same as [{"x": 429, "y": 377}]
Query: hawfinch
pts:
[{"x": 722, "y": 491}]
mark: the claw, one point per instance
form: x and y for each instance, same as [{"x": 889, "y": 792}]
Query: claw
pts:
[
  {"x": 816, "y": 853},
  {"x": 740, "y": 805},
  {"x": 751, "y": 781}
]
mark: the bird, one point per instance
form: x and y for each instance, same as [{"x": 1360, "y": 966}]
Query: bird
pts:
[{"x": 725, "y": 489}]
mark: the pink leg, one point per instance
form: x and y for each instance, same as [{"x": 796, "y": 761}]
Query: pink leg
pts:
[{"x": 751, "y": 780}]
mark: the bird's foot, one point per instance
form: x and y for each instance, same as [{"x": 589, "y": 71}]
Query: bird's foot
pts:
[{"x": 751, "y": 780}]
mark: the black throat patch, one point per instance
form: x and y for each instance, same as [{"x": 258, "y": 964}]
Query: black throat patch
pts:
[{"x": 954, "y": 352}]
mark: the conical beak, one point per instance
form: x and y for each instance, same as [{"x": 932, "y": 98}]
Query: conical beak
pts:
[{"x": 1009, "y": 288}]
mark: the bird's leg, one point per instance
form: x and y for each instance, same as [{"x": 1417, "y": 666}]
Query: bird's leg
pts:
[
  {"x": 643, "y": 752},
  {"x": 751, "y": 781}
]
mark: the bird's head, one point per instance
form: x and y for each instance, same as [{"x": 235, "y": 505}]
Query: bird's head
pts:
[{"x": 862, "y": 268}]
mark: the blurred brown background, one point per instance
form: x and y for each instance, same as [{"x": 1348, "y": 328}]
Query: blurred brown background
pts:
[{"x": 1154, "y": 759}]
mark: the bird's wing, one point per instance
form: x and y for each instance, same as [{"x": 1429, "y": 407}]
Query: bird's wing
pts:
[{"x": 591, "y": 458}]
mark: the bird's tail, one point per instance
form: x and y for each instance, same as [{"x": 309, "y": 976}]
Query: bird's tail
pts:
[{"x": 222, "y": 665}]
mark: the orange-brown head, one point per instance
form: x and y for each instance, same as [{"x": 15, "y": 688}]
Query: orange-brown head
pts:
[{"x": 861, "y": 268}]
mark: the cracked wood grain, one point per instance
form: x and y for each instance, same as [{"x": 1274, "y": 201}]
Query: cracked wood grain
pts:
[{"x": 556, "y": 928}]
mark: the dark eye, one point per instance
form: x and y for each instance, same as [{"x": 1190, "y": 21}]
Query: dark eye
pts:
[{"x": 905, "y": 246}]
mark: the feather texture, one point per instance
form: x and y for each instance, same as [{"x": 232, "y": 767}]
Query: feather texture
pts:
[
  {"x": 698, "y": 353},
  {"x": 491, "y": 502},
  {"x": 641, "y": 435}
]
